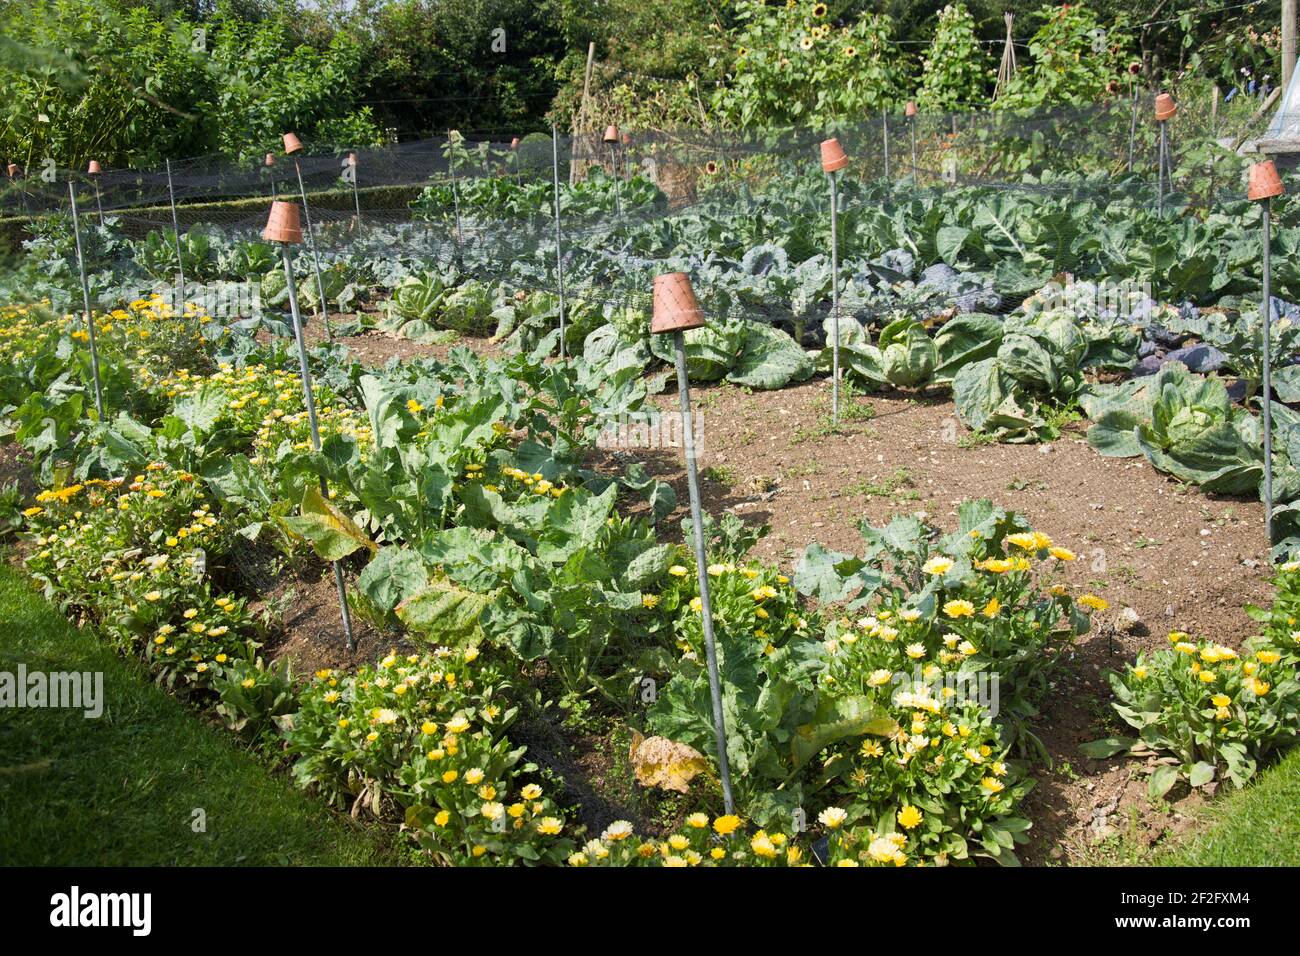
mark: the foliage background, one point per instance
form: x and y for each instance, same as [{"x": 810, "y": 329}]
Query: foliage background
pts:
[{"x": 126, "y": 81}]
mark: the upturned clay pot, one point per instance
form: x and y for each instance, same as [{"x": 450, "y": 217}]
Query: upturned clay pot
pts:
[
  {"x": 833, "y": 156},
  {"x": 14, "y": 170},
  {"x": 1165, "y": 107},
  {"x": 352, "y": 159},
  {"x": 910, "y": 108},
  {"x": 611, "y": 134},
  {"x": 292, "y": 144},
  {"x": 270, "y": 160},
  {"x": 283, "y": 225},
  {"x": 93, "y": 169},
  {"x": 675, "y": 306},
  {"x": 1264, "y": 181}
]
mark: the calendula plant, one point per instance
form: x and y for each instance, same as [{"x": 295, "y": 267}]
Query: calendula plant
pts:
[
  {"x": 725, "y": 842},
  {"x": 132, "y": 554},
  {"x": 977, "y": 601},
  {"x": 941, "y": 781},
  {"x": 1209, "y": 711},
  {"x": 422, "y": 738}
]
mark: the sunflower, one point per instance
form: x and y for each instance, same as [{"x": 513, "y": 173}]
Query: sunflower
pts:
[
  {"x": 850, "y": 51},
  {"x": 806, "y": 43},
  {"x": 819, "y": 11}
]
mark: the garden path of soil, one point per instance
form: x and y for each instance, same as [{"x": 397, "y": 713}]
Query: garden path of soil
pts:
[{"x": 1180, "y": 559}]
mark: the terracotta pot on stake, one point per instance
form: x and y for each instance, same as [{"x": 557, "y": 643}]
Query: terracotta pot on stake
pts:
[
  {"x": 833, "y": 160},
  {"x": 611, "y": 140},
  {"x": 93, "y": 171},
  {"x": 284, "y": 228},
  {"x": 1165, "y": 110},
  {"x": 1264, "y": 184},
  {"x": 292, "y": 147},
  {"x": 85, "y": 298},
  {"x": 677, "y": 311},
  {"x": 269, "y": 165}
]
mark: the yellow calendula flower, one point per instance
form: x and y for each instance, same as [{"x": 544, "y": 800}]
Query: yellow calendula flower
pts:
[
  {"x": 939, "y": 564},
  {"x": 1061, "y": 554},
  {"x": 959, "y": 608},
  {"x": 991, "y": 609},
  {"x": 1093, "y": 602},
  {"x": 726, "y": 825},
  {"x": 678, "y": 571},
  {"x": 833, "y": 817},
  {"x": 1220, "y": 700},
  {"x": 1268, "y": 657},
  {"x": 909, "y": 817}
]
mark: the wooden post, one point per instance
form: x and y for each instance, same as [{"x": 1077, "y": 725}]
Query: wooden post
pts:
[{"x": 1288, "y": 42}]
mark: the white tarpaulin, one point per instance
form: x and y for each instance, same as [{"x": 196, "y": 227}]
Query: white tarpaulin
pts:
[{"x": 1286, "y": 121}]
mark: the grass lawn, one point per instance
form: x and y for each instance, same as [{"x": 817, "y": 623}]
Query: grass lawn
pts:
[
  {"x": 122, "y": 789},
  {"x": 1257, "y": 826}
]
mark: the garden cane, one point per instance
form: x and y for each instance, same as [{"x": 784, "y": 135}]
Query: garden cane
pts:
[
  {"x": 93, "y": 171},
  {"x": 833, "y": 160},
  {"x": 676, "y": 310},
  {"x": 269, "y": 163},
  {"x": 292, "y": 147},
  {"x": 1264, "y": 184},
  {"x": 283, "y": 228},
  {"x": 611, "y": 138},
  {"x": 85, "y": 298},
  {"x": 559, "y": 239},
  {"x": 176, "y": 234}
]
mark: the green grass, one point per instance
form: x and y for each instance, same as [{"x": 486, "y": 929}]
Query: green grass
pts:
[
  {"x": 1257, "y": 826},
  {"x": 122, "y": 789}
]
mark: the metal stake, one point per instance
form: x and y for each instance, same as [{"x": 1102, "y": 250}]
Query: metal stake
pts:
[
  {"x": 85, "y": 298},
  {"x": 315, "y": 258},
  {"x": 1132, "y": 126},
  {"x": 315, "y": 430},
  {"x": 455, "y": 193},
  {"x": 559, "y": 247},
  {"x": 911, "y": 122},
  {"x": 356, "y": 196},
  {"x": 884, "y": 136},
  {"x": 613, "y": 166},
  {"x": 1160, "y": 161},
  {"x": 99, "y": 205},
  {"x": 1268, "y": 371},
  {"x": 702, "y": 570},
  {"x": 176, "y": 231},
  {"x": 835, "y": 302}
]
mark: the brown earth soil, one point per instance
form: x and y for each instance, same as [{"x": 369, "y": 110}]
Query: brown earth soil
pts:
[{"x": 1178, "y": 558}]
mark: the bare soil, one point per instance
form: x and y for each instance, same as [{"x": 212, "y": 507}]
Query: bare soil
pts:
[{"x": 1179, "y": 558}]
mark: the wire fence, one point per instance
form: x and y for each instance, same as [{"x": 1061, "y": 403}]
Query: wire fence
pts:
[{"x": 648, "y": 201}]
